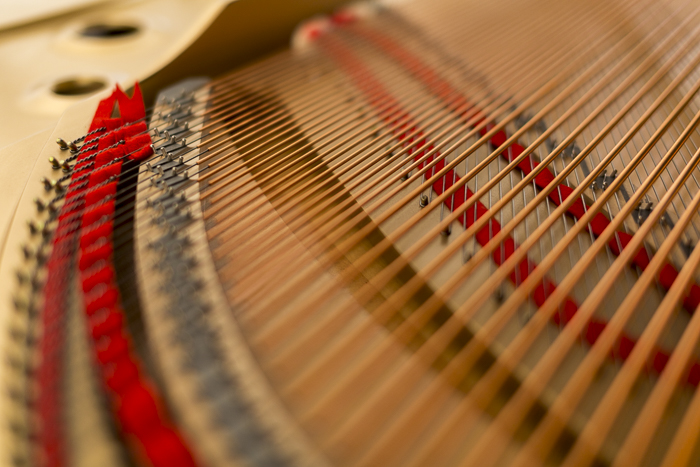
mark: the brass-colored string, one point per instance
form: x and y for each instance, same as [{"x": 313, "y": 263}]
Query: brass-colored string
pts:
[
  {"x": 427, "y": 399},
  {"x": 382, "y": 401},
  {"x": 449, "y": 192},
  {"x": 551, "y": 306}
]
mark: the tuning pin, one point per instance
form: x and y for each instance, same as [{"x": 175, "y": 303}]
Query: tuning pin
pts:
[
  {"x": 20, "y": 303},
  {"x": 33, "y": 227},
  {"x": 27, "y": 251},
  {"x": 73, "y": 147},
  {"x": 62, "y": 144},
  {"x": 65, "y": 166},
  {"x": 57, "y": 185},
  {"x": 37, "y": 227},
  {"x": 47, "y": 183},
  {"x": 40, "y": 255},
  {"x": 424, "y": 200},
  {"x": 22, "y": 276},
  {"x": 55, "y": 164},
  {"x": 40, "y": 206}
]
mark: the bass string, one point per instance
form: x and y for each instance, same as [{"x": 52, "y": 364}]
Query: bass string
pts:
[
  {"x": 515, "y": 301},
  {"x": 405, "y": 421}
]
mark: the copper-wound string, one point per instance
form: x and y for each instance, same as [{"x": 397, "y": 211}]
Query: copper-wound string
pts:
[
  {"x": 619, "y": 146},
  {"x": 546, "y": 311},
  {"x": 478, "y": 144},
  {"x": 458, "y": 214}
]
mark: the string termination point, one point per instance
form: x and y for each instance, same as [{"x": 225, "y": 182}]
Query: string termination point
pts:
[{"x": 55, "y": 164}]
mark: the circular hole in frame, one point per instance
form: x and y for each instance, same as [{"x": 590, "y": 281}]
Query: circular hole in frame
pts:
[
  {"x": 77, "y": 86},
  {"x": 109, "y": 31}
]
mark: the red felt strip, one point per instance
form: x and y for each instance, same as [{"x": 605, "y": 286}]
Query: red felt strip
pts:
[{"x": 131, "y": 392}]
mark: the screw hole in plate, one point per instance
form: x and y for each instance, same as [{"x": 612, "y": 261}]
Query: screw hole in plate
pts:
[
  {"x": 108, "y": 31},
  {"x": 77, "y": 86}
]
